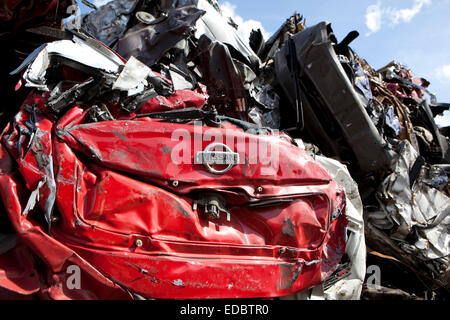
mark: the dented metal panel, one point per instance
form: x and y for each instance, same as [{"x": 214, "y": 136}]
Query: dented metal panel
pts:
[
  {"x": 150, "y": 43},
  {"x": 427, "y": 215},
  {"x": 330, "y": 101},
  {"x": 152, "y": 232},
  {"x": 161, "y": 173}
]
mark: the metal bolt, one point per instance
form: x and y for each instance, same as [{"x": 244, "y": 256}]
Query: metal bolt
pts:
[
  {"x": 175, "y": 183},
  {"x": 259, "y": 189},
  {"x": 138, "y": 243}
]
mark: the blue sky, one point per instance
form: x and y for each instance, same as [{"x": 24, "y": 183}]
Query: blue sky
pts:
[{"x": 413, "y": 32}]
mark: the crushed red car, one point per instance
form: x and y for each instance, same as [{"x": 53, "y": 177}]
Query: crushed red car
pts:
[{"x": 155, "y": 154}]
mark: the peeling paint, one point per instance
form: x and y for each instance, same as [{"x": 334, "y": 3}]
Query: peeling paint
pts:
[
  {"x": 288, "y": 228},
  {"x": 165, "y": 149},
  {"x": 178, "y": 283}
]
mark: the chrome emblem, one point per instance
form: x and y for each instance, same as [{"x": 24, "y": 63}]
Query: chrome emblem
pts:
[{"x": 217, "y": 154}]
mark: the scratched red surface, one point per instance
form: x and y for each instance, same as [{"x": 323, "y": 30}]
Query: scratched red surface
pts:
[{"x": 107, "y": 185}]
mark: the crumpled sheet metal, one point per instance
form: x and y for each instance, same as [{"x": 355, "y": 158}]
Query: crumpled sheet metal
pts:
[
  {"x": 418, "y": 208},
  {"x": 133, "y": 77},
  {"x": 331, "y": 105},
  {"x": 109, "y": 25},
  {"x": 56, "y": 256},
  {"x": 96, "y": 183},
  {"x": 291, "y": 26},
  {"x": 267, "y": 113},
  {"x": 181, "y": 99},
  {"x": 350, "y": 287},
  {"x": 149, "y": 43},
  {"x": 384, "y": 95},
  {"x": 109, "y": 22},
  {"x": 220, "y": 75},
  {"x": 17, "y": 269},
  {"x": 99, "y": 213},
  {"x": 215, "y": 26},
  {"x": 74, "y": 50}
]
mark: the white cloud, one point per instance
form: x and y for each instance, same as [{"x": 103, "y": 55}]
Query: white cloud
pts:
[
  {"x": 443, "y": 72},
  {"x": 444, "y": 120},
  {"x": 374, "y": 18},
  {"x": 245, "y": 26},
  {"x": 99, "y": 3},
  {"x": 376, "y": 15},
  {"x": 406, "y": 15}
]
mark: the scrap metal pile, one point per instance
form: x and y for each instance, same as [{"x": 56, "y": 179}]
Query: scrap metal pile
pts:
[{"x": 155, "y": 153}]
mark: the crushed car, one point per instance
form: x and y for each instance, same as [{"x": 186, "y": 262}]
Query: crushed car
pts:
[{"x": 161, "y": 156}]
